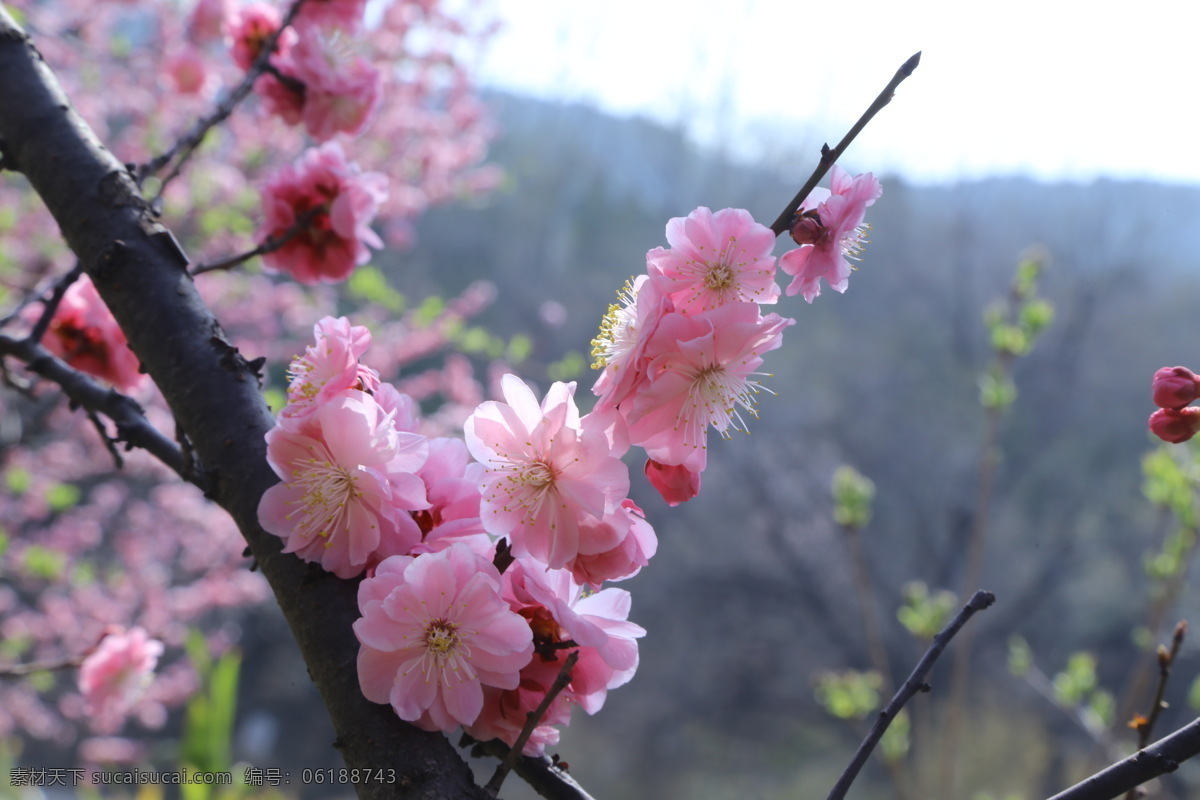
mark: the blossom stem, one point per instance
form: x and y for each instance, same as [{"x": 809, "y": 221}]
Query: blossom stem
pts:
[
  {"x": 187, "y": 144},
  {"x": 915, "y": 683},
  {"x": 21, "y": 670},
  {"x": 829, "y": 157},
  {"x": 531, "y": 722},
  {"x": 269, "y": 245}
]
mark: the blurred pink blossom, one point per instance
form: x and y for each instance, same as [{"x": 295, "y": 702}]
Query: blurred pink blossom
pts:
[
  {"x": 116, "y": 674},
  {"x": 84, "y": 334},
  {"x": 347, "y": 14},
  {"x": 341, "y": 202}
]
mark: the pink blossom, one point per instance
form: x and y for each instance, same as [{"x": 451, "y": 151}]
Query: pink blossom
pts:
[
  {"x": 337, "y": 91},
  {"x": 346, "y": 14},
  {"x": 716, "y": 259},
  {"x": 208, "y": 20},
  {"x": 329, "y": 367},
  {"x": 676, "y": 484},
  {"x": 1175, "y": 425},
  {"x": 625, "y": 331},
  {"x": 452, "y": 482},
  {"x": 116, "y": 674},
  {"x": 1175, "y": 387},
  {"x": 435, "y": 631},
  {"x": 702, "y": 370},
  {"x": 829, "y": 230},
  {"x": 84, "y": 334},
  {"x": 249, "y": 30},
  {"x": 189, "y": 73},
  {"x": 623, "y": 561},
  {"x": 348, "y": 482},
  {"x": 550, "y": 476},
  {"x": 338, "y": 202},
  {"x": 562, "y": 620}
]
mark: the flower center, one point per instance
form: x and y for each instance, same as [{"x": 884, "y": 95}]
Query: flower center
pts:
[
  {"x": 719, "y": 277},
  {"x": 714, "y": 398},
  {"x": 326, "y": 489},
  {"x": 618, "y": 329},
  {"x": 442, "y": 639}
]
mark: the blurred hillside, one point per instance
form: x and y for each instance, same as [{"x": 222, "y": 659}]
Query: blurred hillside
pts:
[{"x": 750, "y": 594}]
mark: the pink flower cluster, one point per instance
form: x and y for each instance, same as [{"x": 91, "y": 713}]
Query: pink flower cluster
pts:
[
  {"x": 681, "y": 352},
  {"x": 1173, "y": 389},
  {"x": 447, "y": 640},
  {"x": 84, "y": 334},
  {"x": 333, "y": 203}
]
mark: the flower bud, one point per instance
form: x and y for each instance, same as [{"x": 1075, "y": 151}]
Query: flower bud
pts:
[
  {"x": 1175, "y": 387},
  {"x": 1175, "y": 425},
  {"x": 676, "y": 484},
  {"x": 807, "y": 229}
]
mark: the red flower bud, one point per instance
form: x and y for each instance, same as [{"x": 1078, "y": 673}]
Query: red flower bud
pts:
[
  {"x": 1175, "y": 425},
  {"x": 675, "y": 484},
  {"x": 1175, "y": 387}
]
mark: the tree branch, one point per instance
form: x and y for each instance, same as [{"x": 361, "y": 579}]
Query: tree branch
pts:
[
  {"x": 214, "y": 395},
  {"x": 1162, "y": 757},
  {"x": 829, "y": 157},
  {"x": 915, "y": 683},
  {"x": 132, "y": 426}
]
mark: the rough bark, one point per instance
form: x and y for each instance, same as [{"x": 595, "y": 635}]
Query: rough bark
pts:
[{"x": 213, "y": 392}]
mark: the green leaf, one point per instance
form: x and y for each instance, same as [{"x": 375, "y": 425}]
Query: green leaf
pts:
[
  {"x": 850, "y": 694},
  {"x": 571, "y": 366},
  {"x": 43, "y": 562},
  {"x": 852, "y": 496},
  {"x": 519, "y": 348},
  {"x": 62, "y": 496},
  {"x": 17, "y": 479},
  {"x": 369, "y": 284},
  {"x": 1020, "y": 657},
  {"x": 429, "y": 310}
]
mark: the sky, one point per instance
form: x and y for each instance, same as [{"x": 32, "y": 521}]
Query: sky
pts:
[{"x": 1059, "y": 90}]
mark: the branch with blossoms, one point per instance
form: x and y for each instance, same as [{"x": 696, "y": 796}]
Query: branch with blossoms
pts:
[
  {"x": 256, "y": 63},
  {"x": 212, "y": 391},
  {"x": 443, "y": 638}
]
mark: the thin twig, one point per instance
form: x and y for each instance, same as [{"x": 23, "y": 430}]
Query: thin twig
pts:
[
  {"x": 915, "y": 683},
  {"x": 829, "y": 157},
  {"x": 1162, "y": 757},
  {"x": 183, "y": 149},
  {"x": 51, "y": 305},
  {"x": 132, "y": 426},
  {"x": 531, "y": 722},
  {"x": 109, "y": 442},
  {"x": 545, "y": 775},
  {"x": 1145, "y": 725},
  {"x": 270, "y": 245},
  {"x": 21, "y": 670}
]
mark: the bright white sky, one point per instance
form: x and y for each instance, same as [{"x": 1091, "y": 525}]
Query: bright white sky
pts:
[{"x": 1060, "y": 89}]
